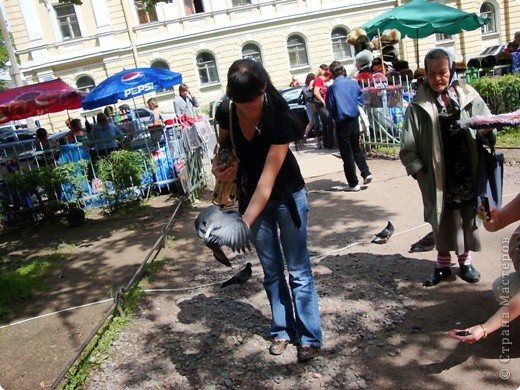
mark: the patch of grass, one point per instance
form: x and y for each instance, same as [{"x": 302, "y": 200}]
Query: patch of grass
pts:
[
  {"x": 22, "y": 281},
  {"x": 97, "y": 351},
  {"x": 151, "y": 269},
  {"x": 509, "y": 136}
]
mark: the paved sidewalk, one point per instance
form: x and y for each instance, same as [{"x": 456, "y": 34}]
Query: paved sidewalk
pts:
[{"x": 165, "y": 339}]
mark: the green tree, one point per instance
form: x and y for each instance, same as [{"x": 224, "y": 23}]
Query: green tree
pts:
[{"x": 4, "y": 57}]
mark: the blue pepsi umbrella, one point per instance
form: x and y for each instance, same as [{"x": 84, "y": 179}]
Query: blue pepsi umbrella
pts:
[{"x": 129, "y": 84}]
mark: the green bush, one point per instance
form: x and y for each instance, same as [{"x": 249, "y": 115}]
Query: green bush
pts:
[
  {"x": 501, "y": 93},
  {"x": 121, "y": 171}
]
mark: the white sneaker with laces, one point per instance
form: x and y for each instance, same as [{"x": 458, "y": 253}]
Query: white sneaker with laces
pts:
[
  {"x": 367, "y": 180},
  {"x": 352, "y": 189}
]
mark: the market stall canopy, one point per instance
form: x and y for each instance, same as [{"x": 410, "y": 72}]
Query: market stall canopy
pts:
[
  {"x": 128, "y": 84},
  {"x": 38, "y": 99},
  {"x": 420, "y": 19}
]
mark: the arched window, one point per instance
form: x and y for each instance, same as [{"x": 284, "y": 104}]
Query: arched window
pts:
[
  {"x": 207, "y": 68},
  {"x": 340, "y": 47},
  {"x": 487, "y": 10},
  {"x": 85, "y": 83},
  {"x": 161, "y": 65},
  {"x": 297, "y": 51},
  {"x": 251, "y": 50}
]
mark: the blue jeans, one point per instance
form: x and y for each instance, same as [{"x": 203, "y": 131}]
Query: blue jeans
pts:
[{"x": 295, "y": 313}]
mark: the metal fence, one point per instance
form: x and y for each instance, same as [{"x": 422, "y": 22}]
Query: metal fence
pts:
[
  {"x": 383, "y": 114},
  {"x": 176, "y": 157}
]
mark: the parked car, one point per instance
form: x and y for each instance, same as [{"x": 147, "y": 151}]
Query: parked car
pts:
[
  {"x": 290, "y": 94},
  {"x": 213, "y": 107},
  {"x": 14, "y": 142},
  {"x": 7, "y": 128}
]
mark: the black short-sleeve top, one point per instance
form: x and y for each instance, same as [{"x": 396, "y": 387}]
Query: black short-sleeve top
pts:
[{"x": 253, "y": 154}]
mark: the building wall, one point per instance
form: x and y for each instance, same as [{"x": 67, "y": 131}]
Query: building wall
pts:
[{"x": 112, "y": 39}]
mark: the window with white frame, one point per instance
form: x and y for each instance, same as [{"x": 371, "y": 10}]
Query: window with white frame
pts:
[
  {"x": 487, "y": 10},
  {"x": 145, "y": 15},
  {"x": 67, "y": 21},
  {"x": 85, "y": 83},
  {"x": 297, "y": 51},
  {"x": 251, "y": 50},
  {"x": 207, "y": 68},
  {"x": 162, "y": 65},
  {"x": 236, "y": 3},
  {"x": 340, "y": 47},
  {"x": 192, "y": 7},
  {"x": 442, "y": 37}
]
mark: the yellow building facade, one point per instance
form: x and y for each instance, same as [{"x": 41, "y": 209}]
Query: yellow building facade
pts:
[{"x": 85, "y": 44}]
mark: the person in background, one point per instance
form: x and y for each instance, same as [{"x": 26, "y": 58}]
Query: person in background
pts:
[
  {"x": 344, "y": 97},
  {"x": 154, "y": 106},
  {"x": 185, "y": 101},
  {"x": 272, "y": 201},
  {"x": 109, "y": 112},
  {"x": 442, "y": 157},
  {"x": 364, "y": 66},
  {"x": 319, "y": 89},
  {"x": 512, "y": 47},
  {"x": 76, "y": 132},
  {"x": 46, "y": 145},
  {"x": 43, "y": 142},
  {"x": 105, "y": 136},
  {"x": 294, "y": 82},
  {"x": 506, "y": 287},
  {"x": 309, "y": 107}
]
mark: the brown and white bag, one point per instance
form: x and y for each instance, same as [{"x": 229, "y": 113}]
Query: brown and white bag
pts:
[{"x": 225, "y": 194}]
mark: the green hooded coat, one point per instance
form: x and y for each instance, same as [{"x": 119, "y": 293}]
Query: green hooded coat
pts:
[{"x": 421, "y": 144}]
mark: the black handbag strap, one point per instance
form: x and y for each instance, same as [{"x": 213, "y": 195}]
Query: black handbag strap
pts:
[{"x": 231, "y": 125}]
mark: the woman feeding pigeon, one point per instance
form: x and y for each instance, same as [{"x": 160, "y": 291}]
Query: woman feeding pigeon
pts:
[{"x": 272, "y": 201}]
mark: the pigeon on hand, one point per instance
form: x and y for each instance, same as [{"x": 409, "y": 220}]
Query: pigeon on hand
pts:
[
  {"x": 223, "y": 228},
  {"x": 384, "y": 235},
  {"x": 240, "y": 277}
]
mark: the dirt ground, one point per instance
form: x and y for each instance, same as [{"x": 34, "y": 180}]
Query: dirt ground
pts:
[{"x": 382, "y": 328}]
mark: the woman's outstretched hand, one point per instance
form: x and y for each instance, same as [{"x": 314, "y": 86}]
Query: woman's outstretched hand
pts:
[{"x": 469, "y": 335}]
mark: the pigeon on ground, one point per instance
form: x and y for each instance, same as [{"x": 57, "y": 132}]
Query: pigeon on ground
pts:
[
  {"x": 424, "y": 244},
  {"x": 384, "y": 235},
  {"x": 240, "y": 277},
  {"x": 219, "y": 228}
]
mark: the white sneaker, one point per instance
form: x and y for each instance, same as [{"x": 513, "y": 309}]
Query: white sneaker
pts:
[
  {"x": 352, "y": 189},
  {"x": 367, "y": 180}
]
